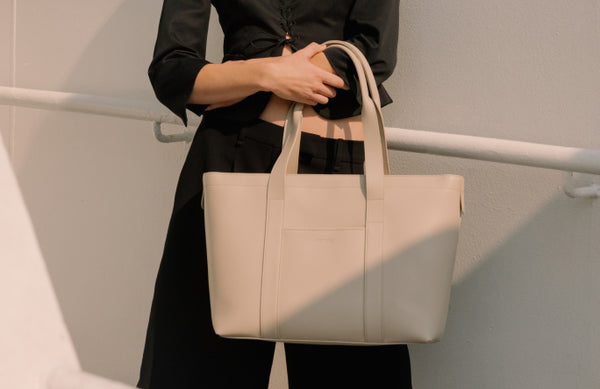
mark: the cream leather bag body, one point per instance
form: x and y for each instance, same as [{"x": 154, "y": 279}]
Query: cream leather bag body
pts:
[{"x": 332, "y": 259}]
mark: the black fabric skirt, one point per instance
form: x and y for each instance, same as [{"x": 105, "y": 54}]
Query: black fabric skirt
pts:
[{"x": 181, "y": 350}]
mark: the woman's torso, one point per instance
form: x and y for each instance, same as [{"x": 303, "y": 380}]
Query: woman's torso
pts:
[{"x": 276, "y": 23}]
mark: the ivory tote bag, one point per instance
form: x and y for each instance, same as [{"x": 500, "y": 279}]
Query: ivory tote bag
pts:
[{"x": 333, "y": 259}]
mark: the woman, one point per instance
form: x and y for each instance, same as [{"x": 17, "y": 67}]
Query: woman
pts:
[{"x": 271, "y": 58}]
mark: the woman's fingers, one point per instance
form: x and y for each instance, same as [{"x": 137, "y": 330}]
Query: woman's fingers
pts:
[
  {"x": 310, "y": 50},
  {"x": 325, "y": 90},
  {"x": 318, "y": 93},
  {"x": 320, "y": 99},
  {"x": 333, "y": 79}
]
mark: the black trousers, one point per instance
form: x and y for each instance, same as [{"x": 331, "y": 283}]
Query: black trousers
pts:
[{"x": 182, "y": 351}]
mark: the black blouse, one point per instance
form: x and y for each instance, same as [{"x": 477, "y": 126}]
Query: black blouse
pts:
[{"x": 257, "y": 28}]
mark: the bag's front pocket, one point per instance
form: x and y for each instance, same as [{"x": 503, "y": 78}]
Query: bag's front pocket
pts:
[{"x": 321, "y": 285}]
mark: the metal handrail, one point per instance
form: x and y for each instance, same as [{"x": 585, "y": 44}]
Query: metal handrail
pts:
[{"x": 569, "y": 159}]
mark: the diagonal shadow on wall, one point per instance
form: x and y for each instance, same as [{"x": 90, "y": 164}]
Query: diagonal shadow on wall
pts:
[{"x": 527, "y": 316}]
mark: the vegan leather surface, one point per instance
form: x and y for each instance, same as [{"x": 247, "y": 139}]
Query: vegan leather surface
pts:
[{"x": 334, "y": 259}]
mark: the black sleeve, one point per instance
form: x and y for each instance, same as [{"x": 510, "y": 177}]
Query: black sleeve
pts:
[
  {"x": 372, "y": 26},
  {"x": 179, "y": 54}
]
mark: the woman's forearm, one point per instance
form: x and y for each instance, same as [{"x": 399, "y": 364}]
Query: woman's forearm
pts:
[
  {"x": 305, "y": 76},
  {"x": 232, "y": 80}
]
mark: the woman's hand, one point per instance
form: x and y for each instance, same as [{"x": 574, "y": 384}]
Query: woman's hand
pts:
[{"x": 299, "y": 76}]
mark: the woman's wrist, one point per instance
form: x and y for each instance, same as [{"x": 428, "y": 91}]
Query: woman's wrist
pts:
[{"x": 260, "y": 72}]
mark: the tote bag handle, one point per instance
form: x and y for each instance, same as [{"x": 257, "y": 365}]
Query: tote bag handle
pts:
[{"x": 376, "y": 157}]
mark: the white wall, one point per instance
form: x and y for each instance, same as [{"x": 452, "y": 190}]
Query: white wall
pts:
[
  {"x": 99, "y": 190},
  {"x": 525, "y": 308},
  {"x": 525, "y": 304}
]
